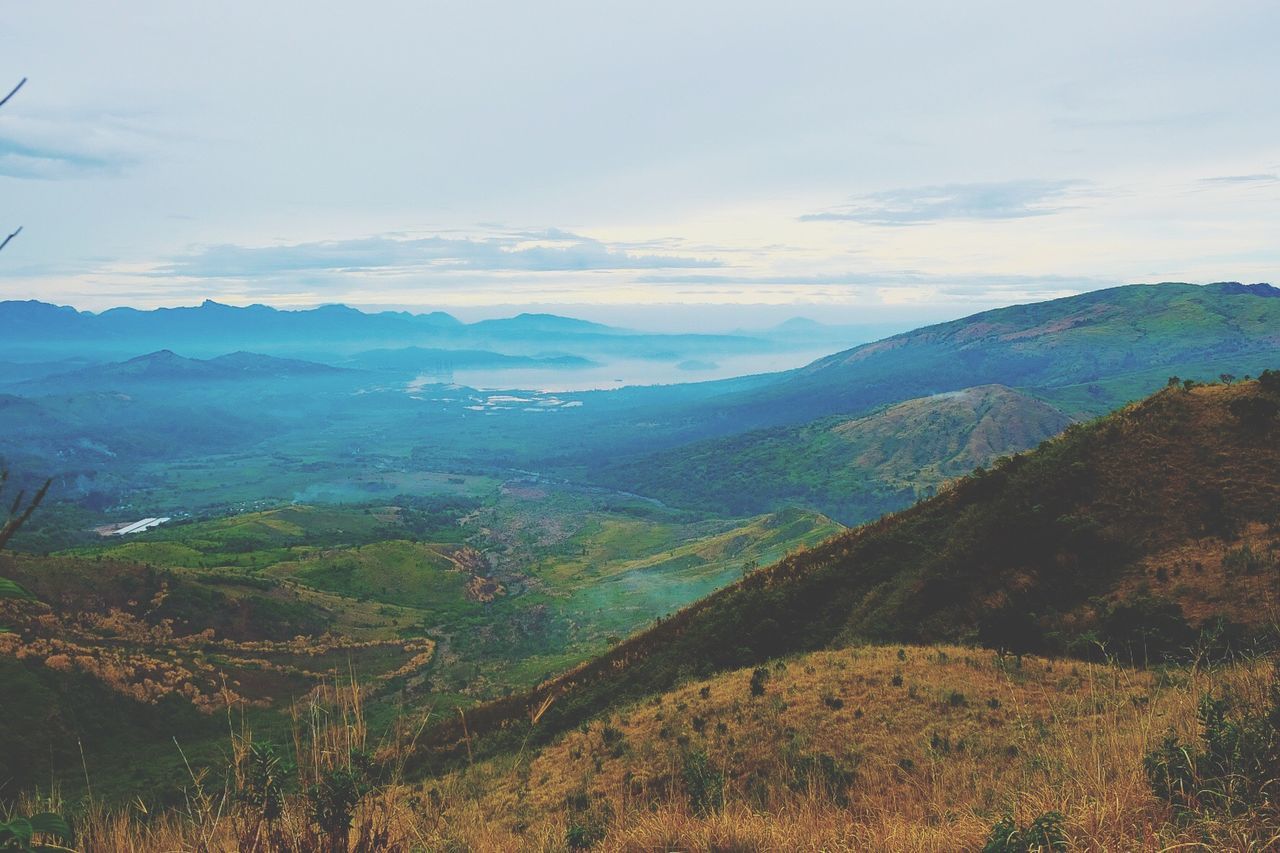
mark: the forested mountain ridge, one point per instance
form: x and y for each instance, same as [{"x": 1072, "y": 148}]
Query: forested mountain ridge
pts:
[
  {"x": 1095, "y": 351},
  {"x": 854, "y": 469}
]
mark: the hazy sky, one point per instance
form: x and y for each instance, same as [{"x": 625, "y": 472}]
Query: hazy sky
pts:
[{"x": 846, "y": 161}]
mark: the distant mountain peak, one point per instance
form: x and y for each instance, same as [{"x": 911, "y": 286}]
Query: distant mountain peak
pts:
[
  {"x": 798, "y": 324},
  {"x": 161, "y": 355},
  {"x": 1260, "y": 289}
]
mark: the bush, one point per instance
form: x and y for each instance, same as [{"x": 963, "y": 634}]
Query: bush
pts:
[
  {"x": 1011, "y": 628},
  {"x": 758, "y": 677},
  {"x": 262, "y": 782},
  {"x": 1147, "y": 630},
  {"x": 831, "y": 775},
  {"x": 1044, "y": 833},
  {"x": 1256, "y": 414},
  {"x": 19, "y": 833},
  {"x": 1244, "y": 560},
  {"x": 588, "y": 823},
  {"x": 615, "y": 742},
  {"x": 333, "y": 801},
  {"x": 704, "y": 783},
  {"x": 1234, "y": 770}
]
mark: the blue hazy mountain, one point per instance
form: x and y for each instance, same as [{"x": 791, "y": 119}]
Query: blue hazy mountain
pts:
[{"x": 37, "y": 331}]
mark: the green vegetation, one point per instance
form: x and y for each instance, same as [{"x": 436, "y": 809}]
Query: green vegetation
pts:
[
  {"x": 1044, "y": 834},
  {"x": 854, "y": 470},
  {"x": 487, "y": 575},
  {"x": 508, "y": 592},
  {"x": 1234, "y": 771},
  {"x": 1057, "y": 542},
  {"x": 26, "y": 833}
]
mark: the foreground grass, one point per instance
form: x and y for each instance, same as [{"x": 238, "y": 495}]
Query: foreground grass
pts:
[{"x": 887, "y": 748}]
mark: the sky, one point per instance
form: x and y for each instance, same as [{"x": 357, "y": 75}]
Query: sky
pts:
[{"x": 668, "y": 165}]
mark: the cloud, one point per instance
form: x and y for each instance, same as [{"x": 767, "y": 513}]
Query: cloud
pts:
[
  {"x": 952, "y": 283},
  {"x": 917, "y": 205},
  {"x": 1233, "y": 180},
  {"x": 46, "y": 148},
  {"x": 529, "y": 251}
]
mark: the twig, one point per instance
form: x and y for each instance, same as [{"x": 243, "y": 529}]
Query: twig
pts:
[
  {"x": 467, "y": 735},
  {"x": 13, "y": 91},
  {"x": 84, "y": 764},
  {"x": 10, "y": 237},
  {"x": 10, "y": 527},
  {"x": 4, "y": 101}
]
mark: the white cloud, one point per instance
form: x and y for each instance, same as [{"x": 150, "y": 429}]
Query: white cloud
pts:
[
  {"x": 548, "y": 251},
  {"x": 915, "y": 205}
]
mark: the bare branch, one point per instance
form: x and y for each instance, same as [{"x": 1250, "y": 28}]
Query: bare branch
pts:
[
  {"x": 13, "y": 91},
  {"x": 10, "y": 237},
  {"x": 4, "y": 101},
  {"x": 11, "y": 526}
]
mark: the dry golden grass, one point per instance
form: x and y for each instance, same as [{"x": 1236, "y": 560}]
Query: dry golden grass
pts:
[{"x": 936, "y": 759}]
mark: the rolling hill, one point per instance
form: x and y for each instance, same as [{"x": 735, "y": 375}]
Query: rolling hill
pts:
[
  {"x": 1131, "y": 534},
  {"x": 1086, "y": 354},
  {"x": 167, "y": 366},
  {"x": 447, "y": 600},
  {"x": 853, "y": 469}
]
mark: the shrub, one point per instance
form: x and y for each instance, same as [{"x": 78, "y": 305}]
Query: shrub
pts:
[
  {"x": 704, "y": 783},
  {"x": 262, "y": 782},
  {"x": 615, "y": 742},
  {"x": 831, "y": 775},
  {"x": 588, "y": 822},
  {"x": 1256, "y": 414},
  {"x": 333, "y": 801},
  {"x": 1244, "y": 560},
  {"x": 758, "y": 678},
  {"x": 1234, "y": 770},
  {"x": 1011, "y": 628},
  {"x": 1044, "y": 833},
  {"x": 1146, "y": 630},
  {"x": 19, "y": 833}
]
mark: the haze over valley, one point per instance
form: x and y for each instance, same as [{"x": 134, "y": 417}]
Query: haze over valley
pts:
[{"x": 496, "y": 427}]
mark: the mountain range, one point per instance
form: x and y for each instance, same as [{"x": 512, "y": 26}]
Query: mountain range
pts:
[
  {"x": 38, "y": 330},
  {"x": 644, "y": 604}
]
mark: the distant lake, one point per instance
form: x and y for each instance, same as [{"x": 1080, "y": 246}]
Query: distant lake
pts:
[{"x": 624, "y": 372}]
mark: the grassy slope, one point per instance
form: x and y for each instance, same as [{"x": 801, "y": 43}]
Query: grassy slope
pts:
[
  {"x": 1099, "y": 337},
  {"x": 1038, "y": 542},
  {"x": 863, "y": 748},
  {"x": 854, "y": 469},
  {"x": 273, "y": 575}
]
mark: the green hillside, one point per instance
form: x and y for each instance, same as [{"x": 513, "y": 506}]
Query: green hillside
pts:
[
  {"x": 1129, "y": 535},
  {"x": 853, "y": 469},
  {"x": 444, "y": 600},
  {"x": 1118, "y": 343}
]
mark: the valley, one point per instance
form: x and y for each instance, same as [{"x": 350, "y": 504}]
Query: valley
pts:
[{"x": 516, "y": 584}]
